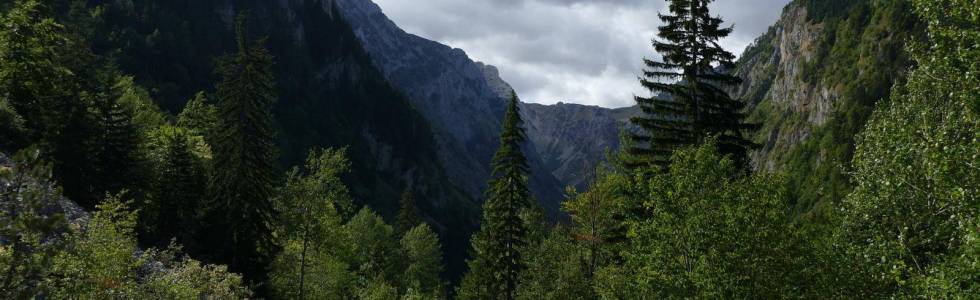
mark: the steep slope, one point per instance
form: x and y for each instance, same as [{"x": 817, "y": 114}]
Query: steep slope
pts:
[
  {"x": 813, "y": 79},
  {"x": 331, "y": 95},
  {"x": 453, "y": 93},
  {"x": 574, "y": 138}
]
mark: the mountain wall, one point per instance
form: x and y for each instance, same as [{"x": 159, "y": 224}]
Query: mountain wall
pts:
[
  {"x": 574, "y": 139},
  {"x": 330, "y": 93},
  {"x": 463, "y": 104},
  {"x": 813, "y": 80}
]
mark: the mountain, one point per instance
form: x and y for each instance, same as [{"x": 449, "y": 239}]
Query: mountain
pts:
[
  {"x": 463, "y": 100},
  {"x": 330, "y": 93},
  {"x": 813, "y": 80},
  {"x": 574, "y": 138}
]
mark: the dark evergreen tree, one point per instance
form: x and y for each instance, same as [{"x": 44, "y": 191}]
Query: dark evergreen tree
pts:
[
  {"x": 199, "y": 116},
  {"x": 497, "y": 263},
  {"x": 689, "y": 102},
  {"x": 241, "y": 210},
  {"x": 115, "y": 145},
  {"x": 178, "y": 190},
  {"x": 408, "y": 213}
]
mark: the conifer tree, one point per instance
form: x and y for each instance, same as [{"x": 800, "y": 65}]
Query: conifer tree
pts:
[
  {"x": 242, "y": 185},
  {"x": 199, "y": 116},
  {"x": 497, "y": 263},
  {"x": 690, "y": 80},
  {"x": 178, "y": 191},
  {"x": 115, "y": 145},
  {"x": 408, "y": 213}
]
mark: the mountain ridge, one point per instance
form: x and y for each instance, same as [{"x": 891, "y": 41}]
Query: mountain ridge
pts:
[{"x": 462, "y": 99}]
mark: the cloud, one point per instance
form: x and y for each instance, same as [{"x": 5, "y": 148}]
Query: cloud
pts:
[{"x": 579, "y": 51}]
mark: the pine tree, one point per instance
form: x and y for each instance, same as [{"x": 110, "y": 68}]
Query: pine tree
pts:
[
  {"x": 178, "y": 190},
  {"x": 408, "y": 213},
  {"x": 242, "y": 185},
  {"x": 199, "y": 116},
  {"x": 497, "y": 263},
  {"x": 692, "y": 103},
  {"x": 115, "y": 145}
]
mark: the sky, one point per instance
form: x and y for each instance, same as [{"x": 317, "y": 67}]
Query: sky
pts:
[{"x": 572, "y": 51}]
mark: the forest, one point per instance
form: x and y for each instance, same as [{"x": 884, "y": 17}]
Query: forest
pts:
[{"x": 111, "y": 187}]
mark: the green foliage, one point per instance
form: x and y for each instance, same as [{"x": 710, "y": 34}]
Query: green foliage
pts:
[
  {"x": 241, "y": 212},
  {"x": 423, "y": 255},
  {"x": 954, "y": 31},
  {"x": 309, "y": 207},
  {"x": 177, "y": 189},
  {"x": 326, "y": 273},
  {"x": 374, "y": 248},
  {"x": 34, "y": 73},
  {"x": 689, "y": 102},
  {"x": 27, "y": 227},
  {"x": 103, "y": 262},
  {"x": 12, "y": 130},
  {"x": 496, "y": 263},
  {"x": 115, "y": 144},
  {"x": 95, "y": 257},
  {"x": 325, "y": 258},
  {"x": 856, "y": 59},
  {"x": 408, "y": 213},
  {"x": 557, "y": 269},
  {"x": 199, "y": 116},
  {"x": 819, "y": 10},
  {"x": 170, "y": 48},
  {"x": 146, "y": 114},
  {"x": 378, "y": 289},
  {"x": 188, "y": 279},
  {"x": 44, "y": 70},
  {"x": 958, "y": 277},
  {"x": 911, "y": 219},
  {"x": 598, "y": 222},
  {"x": 100, "y": 261},
  {"x": 711, "y": 234}
]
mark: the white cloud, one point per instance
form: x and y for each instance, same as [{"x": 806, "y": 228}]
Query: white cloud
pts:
[{"x": 577, "y": 51}]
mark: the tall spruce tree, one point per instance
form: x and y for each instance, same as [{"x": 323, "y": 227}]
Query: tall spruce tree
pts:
[
  {"x": 497, "y": 262},
  {"x": 115, "y": 144},
  {"x": 178, "y": 189},
  {"x": 688, "y": 102},
  {"x": 242, "y": 185}
]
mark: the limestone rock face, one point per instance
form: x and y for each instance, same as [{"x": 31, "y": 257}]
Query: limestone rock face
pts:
[{"x": 772, "y": 72}]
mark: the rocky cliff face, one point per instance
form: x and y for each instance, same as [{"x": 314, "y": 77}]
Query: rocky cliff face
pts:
[
  {"x": 453, "y": 92},
  {"x": 772, "y": 72},
  {"x": 812, "y": 81}
]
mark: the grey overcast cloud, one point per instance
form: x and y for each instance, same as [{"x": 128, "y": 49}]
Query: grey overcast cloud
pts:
[{"x": 574, "y": 51}]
